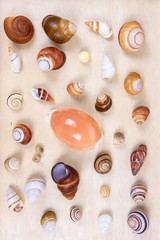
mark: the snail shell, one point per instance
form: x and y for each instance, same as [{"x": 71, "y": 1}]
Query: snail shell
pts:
[
  {"x": 39, "y": 149},
  {"x": 66, "y": 178},
  {"x": 14, "y": 101},
  {"x": 58, "y": 29},
  {"x": 84, "y": 57},
  {"x": 33, "y": 188},
  {"x": 14, "y": 202},
  {"x": 133, "y": 83},
  {"x": 118, "y": 138},
  {"x": 41, "y": 94},
  {"x": 138, "y": 222},
  {"x": 36, "y": 158},
  {"x": 104, "y": 221},
  {"x": 50, "y": 58},
  {"x": 48, "y": 221},
  {"x": 75, "y": 214},
  {"x": 103, "y": 163},
  {"x": 18, "y": 29},
  {"x": 138, "y": 193},
  {"x": 14, "y": 60},
  {"x": 103, "y": 102},
  {"x": 104, "y": 192},
  {"x": 108, "y": 68},
  {"x": 22, "y": 134},
  {"x": 131, "y": 37},
  {"x": 12, "y": 164},
  {"x": 140, "y": 114},
  {"x": 75, "y": 89},
  {"x": 102, "y": 28}
]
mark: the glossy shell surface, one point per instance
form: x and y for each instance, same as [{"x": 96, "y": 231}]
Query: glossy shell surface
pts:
[
  {"x": 14, "y": 101},
  {"x": 22, "y": 134},
  {"x": 103, "y": 163},
  {"x": 108, "y": 68},
  {"x": 103, "y": 103},
  {"x": 118, "y": 138},
  {"x": 100, "y": 27},
  {"x": 138, "y": 222},
  {"x": 14, "y": 202},
  {"x": 41, "y": 94},
  {"x": 75, "y": 89},
  {"x": 140, "y": 114},
  {"x": 104, "y": 221},
  {"x": 75, "y": 214},
  {"x": 133, "y": 83},
  {"x": 48, "y": 221}
]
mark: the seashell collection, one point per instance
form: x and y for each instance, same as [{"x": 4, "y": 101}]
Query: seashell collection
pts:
[{"x": 103, "y": 164}]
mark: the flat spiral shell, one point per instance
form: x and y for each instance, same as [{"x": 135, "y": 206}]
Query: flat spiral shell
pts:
[
  {"x": 138, "y": 222},
  {"x": 14, "y": 202},
  {"x": 22, "y": 134},
  {"x": 12, "y": 164},
  {"x": 15, "y": 60},
  {"x": 14, "y": 101},
  {"x": 103, "y": 164},
  {"x": 133, "y": 83},
  {"x": 108, "y": 68},
  {"x": 103, "y": 102},
  {"x": 104, "y": 221},
  {"x": 104, "y": 192},
  {"x": 41, "y": 94},
  {"x": 75, "y": 214},
  {"x": 102, "y": 28},
  {"x": 75, "y": 89},
  {"x": 48, "y": 221},
  {"x": 138, "y": 193},
  {"x": 140, "y": 114}
]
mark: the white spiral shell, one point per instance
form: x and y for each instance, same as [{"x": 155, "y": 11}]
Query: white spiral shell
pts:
[
  {"x": 108, "y": 69},
  {"x": 104, "y": 221},
  {"x": 75, "y": 214},
  {"x": 14, "y": 60},
  {"x": 138, "y": 222},
  {"x": 18, "y": 135},
  {"x": 14, "y": 101},
  {"x": 14, "y": 202},
  {"x": 45, "y": 63},
  {"x": 12, "y": 164},
  {"x": 102, "y": 28}
]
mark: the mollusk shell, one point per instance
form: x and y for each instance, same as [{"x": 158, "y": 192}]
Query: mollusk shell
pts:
[
  {"x": 102, "y": 28},
  {"x": 36, "y": 158},
  {"x": 39, "y": 149},
  {"x": 41, "y": 94},
  {"x": 84, "y": 57},
  {"x": 118, "y": 138},
  {"x": 103, "y": 102},
  {"x": 48, "y": 221},
  {"x": 133, "y": 83},
  {"x": 108, "y": 69},
  {"x": 138, "y": 222},
  {"x": 138, "y": 193},
  {"x": 140, "y": 114},
  {"x": 13, "y": 200},
  {"x": 75, "y": 89},
  {"x": 104, "y": 192},
  {"x": 104, "y": 221},
  {"x": 12, "y": 164},
  {"x": 22, "y": 134},
  {"x": 75, "y": 214},
  {"x": 14, "y": 60},
  {"x": 33, "y": 188},
  {"x": 14, "y": 101},
  {"x": 103, "y": 164}
]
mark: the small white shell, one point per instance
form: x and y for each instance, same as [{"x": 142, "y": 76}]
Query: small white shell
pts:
[
  {"x": 14, "y": 101},
  {"x": 14, "y": 60},
  {"x": 108, "y": 69},
  {"x": 104, "y": 222},
  {"x": 45, "y": 63},
  {"x": 12, "y": 164},
  {"x": 102, "y": 28},
  {"x": 84, "y": 57},
  {"x": 13, "y": 200}
]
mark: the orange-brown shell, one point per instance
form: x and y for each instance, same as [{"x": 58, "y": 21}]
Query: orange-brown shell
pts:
[
  {"x": 75, "y": 89},
  {"x": 133, "y": 83},
  {"x": 140, "y": 114},
  {"x": 22, "y": 134},
  {"x": 103, "y": 164},
  {"x": 103, "y": 102}
]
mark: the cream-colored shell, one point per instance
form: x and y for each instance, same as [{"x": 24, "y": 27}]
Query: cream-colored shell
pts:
[
  {"x": 45, "y": 63},
  {"x": 15, "y": 60},
  {"x": 14, "y": 101},
  {"x": 12, "y": 164},
  {"x": 84, "y": 57},
  {"x": 14, "y": 202},
  {"x": 104, "y": 221},
  {"x": 102, "y": 28},
  {"x": 108, "y": 69}
]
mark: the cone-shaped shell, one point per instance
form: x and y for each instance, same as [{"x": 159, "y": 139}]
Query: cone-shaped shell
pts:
[
  {"x": 48, "y": 221},
  {"x": 14, "y": 202},
  {"x": 41, "y": 94},
  {"x": 133, "y": 83},
  {"x": 103, "y": 163},
  {"x": 140, "y": 114},
  {"x": 108, "y": 68},
  {"x": 138, "y": 193},
  {"x": 102, "y": 28},
  {"x": 75, "y": 214},
  {"x": 103, "y": 103},
  {"x": 12, "y": 164},
  {"x": 14, "y": 101},
  {"x": 15, "y": 60},
  {"x": 138, "y": 222},
  {"x": 22, "y": 134},
  {"x": 75, "y": 89},
  {"x": 104, "y": 221}
]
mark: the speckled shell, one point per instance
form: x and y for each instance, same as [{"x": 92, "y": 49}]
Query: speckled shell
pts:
[
  {"x": 75, "y": 89},
  {"x": 15, "y": 60},
  {"x": 14, "y": 202},
  {"x": 103, "y": 103},
  {"x": 118, "y": 138},
  {"x": 140, "y": 114},
  {"x": 48, "y": 221},
  {"x": 108, "y": 68},
  {"x": 104, "y": 192},
  {"x": 131, "y": 37},
  {"x": 133, "y": 83},
  {"x": 104, "y": 221},
  {"x": 12, "y": 164},
  {"x": 75, "y": 214},
  {"x": 138, "y": 193},
  {"x": 102, "y": 28},
  {"x": 138, "y": 222},
  {"x": 41, "y": 94},
  {"x": 14, "y": 101},
  {"x": 22, "y": 134},
  {"x": 103, "y": 164}
]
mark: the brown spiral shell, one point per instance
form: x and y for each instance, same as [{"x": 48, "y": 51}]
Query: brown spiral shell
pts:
[
  {"x": 75, "y": 214},
  {"x": 18, "y": 29},
  {"x": 103, "y": 102},
  {"x": 140, "y": 114},
  {"x": 75, "y": 89},
  {"x": 138, "y": 193},
  {"x": 41, "y": 94},
  {"x": 133, "y": 83},
  {"x": 103, "y": 163},
  {"x": 104, "y": 192},
  {"x": 138, "y": 222},
  {"x": 22, "y": 134}
]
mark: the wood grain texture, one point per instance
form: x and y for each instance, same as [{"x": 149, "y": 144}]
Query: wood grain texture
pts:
[{"x": 26, "y": 225}]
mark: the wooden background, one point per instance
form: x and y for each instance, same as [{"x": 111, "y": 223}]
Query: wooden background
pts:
[{"x": 26, "y": 225}]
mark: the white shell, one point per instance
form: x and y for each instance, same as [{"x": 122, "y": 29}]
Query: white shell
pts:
[
  {"x": 12, "y": 164},
  {"x": 104, "y": 222},
  {"x": 108, "y": 69},
  {"x": 102, "y": 28},
  {"x": 14, "y": 202},
  {"x": 14, "y": 101},
  {"x": 18, "y": 135},
  {"x": 45, "y": 63},
  {"x": 33, "y": 188},
  {"x": 136, "y": 38},
  {"x": 84, "y": 57},
  {"x": 14, "y": 60}
]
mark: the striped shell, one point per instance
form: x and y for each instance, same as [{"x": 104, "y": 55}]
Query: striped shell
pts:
[
  {"x": 22, "y": 134},
  {"x": 104, "y": 221},
  {"x": 14, "y": 101},
  {"x": 108, "y": 68},
  {"x": 84, "y": 57},
  {"x": 118, "y": 138},
  {"x": 41, "y": 94},
  {"x": 103, "y": 164},
  {"x": 131, "y": 37},
  {"x": 102, "y": 28},
  {"x": 39, "y": 149},
  {"x": 104, "y": 192},
  {"x": 75, "y": 214},
  {"x": 14, "y": 202},
  {"x": 12, "y": 164},
  {"x": 138, "y": 222},
  {"x": 15, "y": 60},
  {"x": 33, "y": 188},
  {"x": 36, "y": 158},
  {"x": 48, "y": 221},
  {"x": 133, "y": 83},
  {"x": 138, "y": 193},
  {"x": 140, "y": 114},
  {"x": 103, "y": 102},
  {"x": 75, "y": 89}
]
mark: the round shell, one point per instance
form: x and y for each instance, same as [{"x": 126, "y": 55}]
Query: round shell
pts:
[
  {"x": 75, "y": 214},
  {"x": 36, "y": 158},
  {"x": 15, "y": 60},
  {"x": 108, "y": 68},
  {"x": 140, "y": 114},
  {"x": 41, "y": 94},
  {"x": 102, "y": 28},
  {"x": 138, "y": 222},
  {"x": 103, "y": 102},
  {"x": 12, "y": 164},
  {"x": 22, "y": 134},
  {"x": 84, "y": 57},
  {"x": 39, "y": 149},
  {"x": 104, "y": 221},
  {"x": 131, "y": 37},
  {"x": 14, "y": 101},
  {"x": 104, "y": 192},
  {"x": 118, "y": 138},
  {"x": 13, "y": 200},
  {"x": 138, "y": 193},
  {"x": 103, "y": 164},
  {"x": 133, "y": 83},
  {"x": 48, "y": 221},
  {"x": 75, "y": 89}
]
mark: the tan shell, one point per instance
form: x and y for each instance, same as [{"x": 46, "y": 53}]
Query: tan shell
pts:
[
  {"x": 75, "y": 214},
  {"x": 133, "y": 83},
  {"x": 48, "y": 221},
  {"x": 75, "y": 89},
  {"x": 12, "y": 164},
  {"x": 138, "y": 193},
  {"x": 140, "y": 114},
  {"x": 118, "y": 138},
  {"x": 14, "y": 202},
  {"x": 14, "y": 101},
  {"x": 104, "y": 192},
  {"x": 84, "y": 57},
  {"x": 36, "y": 158},
  {"x": 103, "y": 163},
  {"x": 39, "y": 149}
]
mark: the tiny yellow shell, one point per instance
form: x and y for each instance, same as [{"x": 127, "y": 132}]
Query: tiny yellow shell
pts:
[
  {"x": 104, "y": 192},
  {"x": 84, "y": 57}
]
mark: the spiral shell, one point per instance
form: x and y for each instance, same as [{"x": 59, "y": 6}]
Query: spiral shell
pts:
[
  {"x": 138, "y": 193},
  {"x": 14, "y": 202},
  {"x": 102, "y": 28},
  {"x": 140, "y": 114},
  {"x": 131, "y": 37},
  {"x": 104, "y": 192},
  {"x": 75, "y": 214},
  {"x": 138, "y": 222},
  {"x": 104, "y": 221},
  {"x": 14, "y": 101},
  {"x": 39, "y": 149},
  {"x": 84, "y": 57},
  {"x": 103, "y": 102},
  {"x": 33, "y": 188},
  {"x": 36, "y": 158},
  {"x": 12, "y": 164},
  {"x": 75, "y": 89},
  {"x": 41, "y": 94},
  {"x": 108, "y": 69},
  {"x": 22, "y": 134},
  {"x": 15, "y": 60},
  {"x": 48, "y": 221},
  {"x": 118, "y": 138},
  {"x": 18, "y": 29},
  {"x": 103, "y": 163},
  {"x": 133, "y": 83}
]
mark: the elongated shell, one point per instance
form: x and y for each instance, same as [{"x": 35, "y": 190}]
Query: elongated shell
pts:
[
  {"x": 103, "y": 163},
  {"x": 102, "y": 28},
  {"x": 33, "y": 188},
  {"x": 12, "y": 164},
  {"x": 75, "y": 89},
  {"x": 138, "y": 222},
  {"x": 58, "y": 29},
  {"x": 104, "y": 192},
  {"x": 133, "y": 83},
  {"x": 14, "y": 202},
  {"x": 14, "y": 101},
  {"x": 104, "y": 221},
  {"x": 138, "y": 193},
  {"x": 140, "y": 114},
  {"x": 22, "y": 134},
  {"x": 75, "y": 214},
  {"x": 103, "y": 103},
  {"x": 118, "y": 138},
  {"x": 108, "y": 68},
  {"x": 131, "y": 37},
  {"x": 15, "y": 60},
  {"x": 41, "y": 94},
  {"x": 48, "y": 221}
]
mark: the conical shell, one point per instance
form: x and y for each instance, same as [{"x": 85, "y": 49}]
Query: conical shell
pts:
[
  {"x": 22, "y": 134},
  {"x": 133, "y": 83},
  {"x": 12, "y": 164},
  {"x": 41, "y": 94},
  {"x": 140, "y": 114},
  {"x": 138, "y": 193},
  {"x": 14, "y": 101},
  {"x": 13, "y": 200},
  {"x": 48, "y": 221},
  {"x": 104, "y": 192},
  {"x": 14, "y": 60},
  {"x": 75, "y": 214},
  {"x": 108, "y": 68},
  {"x": 104, "y": 221},
  {"x": 103, "y": 163},
  {"x": 75, "y": 89},
  {"x": 138, "y": 222},
  {"x": 102, "y": 28},
  {"x": 103, "y": 103}
]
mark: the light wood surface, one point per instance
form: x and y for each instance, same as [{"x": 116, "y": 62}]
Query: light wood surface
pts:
[{"x": 26, "y": 225}]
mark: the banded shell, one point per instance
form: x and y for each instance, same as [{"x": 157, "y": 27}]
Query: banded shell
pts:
[
  {"x": 75, "y": 214},
  {"x": 103, "y": 102},
  {"x": 140, "y": 114},
  {"x": 103, "y": 163},
  {"x": 14, "y": 202},
  {"x": 39, "y": 149},
  {"x": 48, "y": 221},
  {"x": 84, "y": 57},
  {"x": 36, "y": 158},
  {"x": 14, "y": 101},
  {"x": 131, "y": 37},
  {"x": 33, "y": 188},
  {"x": 108, "y": 68},
  {"x": 133, "y": 83},
  {"x": 22, "y": 134},
  {"x": 12, "y": 164},
  {"x": 104, "y": 221},
  {"x": 138, "y": 222},
  {"x": 118, "y": 138},
  {"x": 104, "y": 192},
  {"x": 41, "y": 94},
  {"x": 75, "y": 89},
  {"x": 138, "y": 193},
  {"x": 102, "y": 28},
  {"x": 15, "y": 60}
]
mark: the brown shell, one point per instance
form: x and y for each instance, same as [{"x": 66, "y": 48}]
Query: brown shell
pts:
[
  {"x": 133, "y": 83},
  {"x": 103, "y": 163},
  {"x": 75, "y": 214},
  {"x": 39, "y": 149},
  {"x": 36, "y": 158},
  {"x": 118, "y": 138},
  {"x": 75, "y": 89},
  {"x": 103, "y": 102},
  {"x": 18, "y": 29},
  {"x": 138, "y": 222},
  {"x": 41, "y": 94},
  {"x": 22, "y": 134},
  {"x": 140, "y": 114}
]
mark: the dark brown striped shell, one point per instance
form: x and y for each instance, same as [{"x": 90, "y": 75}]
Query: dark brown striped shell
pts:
[
  {"x": 138, "y": 193},
  {"x": 103, "y": 163},
  {"x": 103, "y": 102},
  {"x": 22, "y": 134},
  {"x": 41, "y": 94}
]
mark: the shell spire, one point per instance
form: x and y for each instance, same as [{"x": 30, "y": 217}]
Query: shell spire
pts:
[
  {"x": 15, "y": 204},
  {"x": 138, "y": 193},
  {"x": 108, "y": 68},
  {"x": 41, "y": 94},
  {"x": 102, "y": 28},
  {"x": 75, "y": 89},
  {"x": 14, "y": 60}
]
